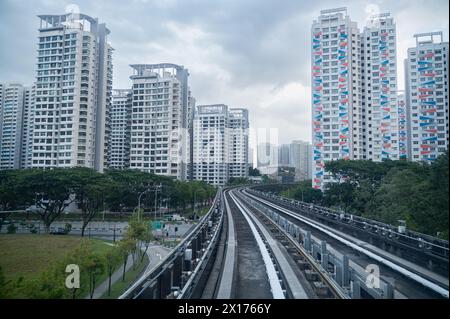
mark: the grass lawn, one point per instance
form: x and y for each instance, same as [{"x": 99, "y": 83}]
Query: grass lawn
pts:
[
  {"x": 27, "y": 255},
  {"x": 131, "y": 275}
]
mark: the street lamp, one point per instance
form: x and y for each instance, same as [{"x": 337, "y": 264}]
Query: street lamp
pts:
[
  {"x": 156, "y": 197},
  {"x": 195, "y": 200},
  {"x": 139, "y": 203},
  {"x": 155, "y": 189}
]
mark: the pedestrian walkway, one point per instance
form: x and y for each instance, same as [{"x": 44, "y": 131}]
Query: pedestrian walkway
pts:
[
  {"x": 117, "y": 275},
  {"x": 155, "y": 253}
]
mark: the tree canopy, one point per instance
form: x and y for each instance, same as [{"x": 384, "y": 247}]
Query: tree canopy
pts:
[{"x": 387, "y": 191}]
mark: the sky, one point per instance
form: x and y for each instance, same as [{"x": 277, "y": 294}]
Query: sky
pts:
[{"x": 242, "y": 53}]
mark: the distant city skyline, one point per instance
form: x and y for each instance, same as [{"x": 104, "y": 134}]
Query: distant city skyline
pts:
[{"x": 239, "y": 59}]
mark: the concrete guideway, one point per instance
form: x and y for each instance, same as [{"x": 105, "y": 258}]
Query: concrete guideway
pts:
[
  {"x": 226, "y": 279},
  {"x": 295, "y": 287},
  {"x": 276, "y": 290},
  {"x": 398, "y": 264}
]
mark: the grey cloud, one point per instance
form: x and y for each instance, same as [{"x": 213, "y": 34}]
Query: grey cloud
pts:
[{"x": 241, "y": 53}]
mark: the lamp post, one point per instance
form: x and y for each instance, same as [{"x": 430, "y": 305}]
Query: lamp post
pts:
[
  {"x": 195, "y": 201},
  {"x": 139, "y": 203},
  {"x": 156, "y": 197}
]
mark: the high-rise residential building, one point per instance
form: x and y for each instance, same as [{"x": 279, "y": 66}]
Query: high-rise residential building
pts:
[
  {"x": 301, "y": 159},
  {"x": 354, "y": 91},
  {"x": 1, "y": 114},
  {"x": 27, "y": 127},
  {"x": 379, "y": 91},
  {"x": 267, "y": 158},
  {"x": 336, "y": 91},
  {"x": 426, "y": 90},
  {"x": 238, "y": 126},
  {"x": 211, "y": 147},
  {"x": 402, "y": 127},
  {"x": 120, "y": 130},
  {"x": 190, "y": 143},
  {"x": 160, "y": 139},
  {"x": 283, "y": 155},
  {"x": 73, "y": 93},
  {"x": 251, "y": 163},
  {"x": 12, "y": 107},
  {"x": 221, "y": 144}
]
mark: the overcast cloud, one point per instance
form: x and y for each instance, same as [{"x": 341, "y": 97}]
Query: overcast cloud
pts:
[{"x": 243, "y": 53}]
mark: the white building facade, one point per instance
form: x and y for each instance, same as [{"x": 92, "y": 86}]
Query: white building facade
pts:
[
  {"x": 15, "y": 104},
  {"x": 426, "y": 90},
  {"x": 238, "y": 125},
  {"x": 211, "y": 147},
  {"x": 402, "y": 127},
  {"x": 120, "y": 130},
  {"x": 73, "y": 93},
  {"x": 301, "y": 159},
  {"x": 354, "y": 91},
  {"x": 336, "y": 92},
  {"x": 220, "y": 146},
  {"x": 160, "y": 120},
  {"x": 379, "y": 93}
]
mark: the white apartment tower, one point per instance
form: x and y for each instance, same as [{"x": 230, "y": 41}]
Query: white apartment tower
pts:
[
  {"x": 300, "y": 154},
  {"x": 120, "y": 130},
  {"x": 220, "y": 146},
  {"x": 160, "y": 119},
  {"x": 379, "y": 92},
  {"x": 267, "y": 158},
  {"x": 238, "y": 126},
  {"x": 211, "y": 147},
  {"x": 283, "y": 155},
  {"x": 336, "y": 92},
  {"x": 73, "y": 93},
  {"x": 14, "y": 101},
  {"x": 354, "y": 91},
  {"x": 402, "y": 127},
  {"x": 426, "y": 76}
]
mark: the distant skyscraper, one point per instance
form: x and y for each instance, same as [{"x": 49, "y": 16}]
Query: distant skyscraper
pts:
[
  {"x": 402, "y": 127},
  {"x": 160, "y": 141},
  {"x": 267, "y": 158},
  {"x": 238, "y": 126},
  {"x": 301, "y": 159},
  {"x": 379, "y": 91},
  {"x": 120, "y": 130},
  {"x": 283, "y": 155},
  {"x": 336, "y": 87},
  {"x": 73, "y": 93},
  {"x": 211, "y": 147},
  {"x": 426, "y": 76},
  {"x": 250, "y": 158},
  {"x": 220, "y": 143},
  {"x": 354, "y": 91},
  {"x": 14, "y": 100}
]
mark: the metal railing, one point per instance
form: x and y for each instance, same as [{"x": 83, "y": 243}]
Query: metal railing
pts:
[
  {"x": 427, "y": 243},
  {"x": 175, "y": 273}
]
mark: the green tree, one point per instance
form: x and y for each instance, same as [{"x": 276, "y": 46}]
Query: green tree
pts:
[
  {"x": 94, "y": 265},
  {"x": 339, "y": 195},
  {"x": 2, "y": 284},
  {"x": 234, "y": 181},
  {"x": 304, "y": 191},
  {"x": 126, "y": 246},
  {"x": 10, "y": 183},
  {"x": 49, "y": 190},
  {"x": 253, "y": 171},
  {"x": 113, "y": 260},
  {"x": 90, "y": 189}
]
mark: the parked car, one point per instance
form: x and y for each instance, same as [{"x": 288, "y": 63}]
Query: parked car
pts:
[{"x": 59, "y": 231}]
